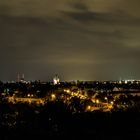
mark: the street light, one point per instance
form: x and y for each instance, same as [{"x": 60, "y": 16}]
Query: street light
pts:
[
  {"x": 112, "y": 102},
  {"x": 53, "y": 96},
  {"x": 97, "y": 101},
  {"x": 28, "y": 95},
  {"x": 89, "y": 108},
  {"x": 105, "y": 98}
]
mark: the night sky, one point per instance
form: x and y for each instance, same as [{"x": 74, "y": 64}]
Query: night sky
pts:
[{"x": 76, "y": 39}]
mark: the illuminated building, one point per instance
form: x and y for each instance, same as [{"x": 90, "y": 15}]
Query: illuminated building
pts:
[{"x": 56, "y": 80}]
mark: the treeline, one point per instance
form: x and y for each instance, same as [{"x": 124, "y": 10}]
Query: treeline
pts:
[{"x": 55, "y": 119}]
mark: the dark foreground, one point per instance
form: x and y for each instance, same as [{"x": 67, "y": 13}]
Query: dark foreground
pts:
[{"x": 56, "y": 121}]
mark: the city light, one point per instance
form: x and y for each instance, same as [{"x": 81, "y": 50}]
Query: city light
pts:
[
  {"x": 97, "y": 101},
  {"x": 69, "y": 69},
  {"x": 112, "y": 102},
  {"x": 67, "y": 95},
  {"x": 88, "y": 107},
  {"x": 53, "y": 96},
  {"x": 28, "y": 95},
  {"x": 67, "y": 90}
]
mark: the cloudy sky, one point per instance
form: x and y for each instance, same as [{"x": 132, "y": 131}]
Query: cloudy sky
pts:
[{"x": 76, "y": 39}]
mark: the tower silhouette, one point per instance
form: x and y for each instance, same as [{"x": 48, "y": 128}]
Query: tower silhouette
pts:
[{"x": 20, "y": 77}]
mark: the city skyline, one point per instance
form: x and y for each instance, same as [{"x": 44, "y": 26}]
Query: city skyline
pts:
[
  {"x": 21, "y": 77},
  {"x": 78, "y": 40}
]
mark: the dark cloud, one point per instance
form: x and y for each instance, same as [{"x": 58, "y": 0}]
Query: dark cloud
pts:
[
  {"x": 80, "y": 6},
  {"x": 118, "y": 18}
]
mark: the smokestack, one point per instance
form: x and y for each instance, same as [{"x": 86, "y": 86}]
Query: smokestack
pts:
[
  {"x": 22, "y": 77},
  {"x": 18, "y": 77}
]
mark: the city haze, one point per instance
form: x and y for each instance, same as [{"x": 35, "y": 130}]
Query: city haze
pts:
[{"x": 78, "y": 40}]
